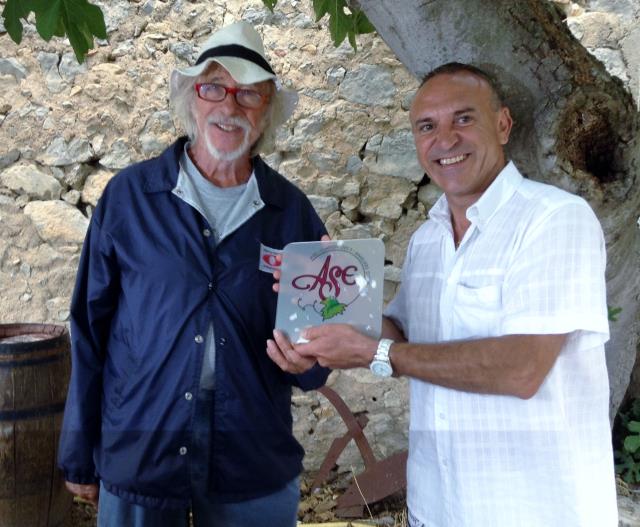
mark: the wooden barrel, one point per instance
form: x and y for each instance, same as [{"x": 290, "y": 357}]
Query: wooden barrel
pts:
[{"x": 34, "y": 374}]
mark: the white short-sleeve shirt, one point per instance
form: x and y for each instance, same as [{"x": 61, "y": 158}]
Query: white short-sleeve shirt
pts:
[{"x": 532, "y": 262}]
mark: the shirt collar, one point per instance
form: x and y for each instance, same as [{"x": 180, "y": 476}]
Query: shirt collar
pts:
[
  {"x": 166, "y": 178},
  {"x": 502, "y": 188}
]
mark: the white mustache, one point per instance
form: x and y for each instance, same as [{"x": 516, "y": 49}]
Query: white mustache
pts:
[{"x": 230, "y": 121}]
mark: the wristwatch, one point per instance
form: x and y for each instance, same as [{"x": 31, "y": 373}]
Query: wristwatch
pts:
[{"x": 380, "y": 365}]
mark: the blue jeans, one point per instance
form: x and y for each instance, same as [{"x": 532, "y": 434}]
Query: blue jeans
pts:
[
  {"x": 279, "y": 509},
  {"x": 275, "y": 510}
]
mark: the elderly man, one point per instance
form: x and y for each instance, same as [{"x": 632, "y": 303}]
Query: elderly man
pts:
[
  {"x": 503, "y": 306},
  {"x": 174, "y": 404}
]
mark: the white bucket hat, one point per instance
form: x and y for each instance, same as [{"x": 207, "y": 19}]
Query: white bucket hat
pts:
[{"x": 238, "y": 49}]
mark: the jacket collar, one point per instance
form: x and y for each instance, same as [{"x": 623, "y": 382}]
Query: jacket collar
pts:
[{"x": 163, "y": 175}]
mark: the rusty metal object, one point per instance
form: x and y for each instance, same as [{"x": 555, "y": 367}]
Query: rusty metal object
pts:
[{"x": 379, "y": 479}]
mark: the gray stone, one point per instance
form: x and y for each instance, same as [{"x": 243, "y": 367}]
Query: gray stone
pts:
[
  {"x": 429, "y": 194},
  {"x": 69, "y": 67},
  {"x": 72, "y": 197},
  {"x": 183, "y": 50},
  {"x": 360, "y": 230},
  {"x": 396, "y": 157},
  {"x": 49, "y": 66},
  {"x": 158, "y": 132},
  {"x": 115, "y": 13},
  {"x": 261, "y": 15},
  {"x": 58, "y": 309},
  {"x": 57, "y": 222},
  {"x": 59, "y": 153},
  {"x": 384, "y": 196},
  {"x": 627, "y": 8},
  {"x": 9, "y": 158},
  {"x": 392, "y": 273},
  {"x": 354, "y": 164},
  {"x": 370, "y": 85},
  {"x": 305, "y": 130},
  {"x": 631, "y": 54},
  {"x": 325, "y": 161},
  {"x": 629, "y": 512},
  {"x": 118, "y": 156},
  {"x": 321, "y": 95},
  {"x": 123, "y": 49},
  {"x": 335, "y": 74},
  {"x": 612, "y": 60},
  {"x": 94, "y": 187},
  {"x": 302, "y": 21},
  {"x": 14, "y": 68},
  {"x": 148, "y": 6},
  {"x": 73, "y": 176},
  {"x": 596, "y": 30},
  {"x": 324, "y": 205},
  {"x": 27, "y": 179}
]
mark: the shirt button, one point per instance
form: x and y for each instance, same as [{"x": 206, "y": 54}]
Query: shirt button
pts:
[
  {"x": 206, "y": 232},
  {"x": 256, "y": 203},
  {"x": 188, "y": 396},
  {"x": 183, "y": 450},
  {"x": 199, "y": 339},
  {"x": 441, "y": 415}
]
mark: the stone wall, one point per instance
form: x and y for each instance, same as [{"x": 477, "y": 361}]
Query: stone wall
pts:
[{"x": 66, "y": 129}]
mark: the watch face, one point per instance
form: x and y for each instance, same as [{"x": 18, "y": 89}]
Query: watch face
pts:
[{"x": 381, "y": 368}]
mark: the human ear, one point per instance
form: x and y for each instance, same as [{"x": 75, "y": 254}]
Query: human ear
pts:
[{"x": 505, "y": 122}]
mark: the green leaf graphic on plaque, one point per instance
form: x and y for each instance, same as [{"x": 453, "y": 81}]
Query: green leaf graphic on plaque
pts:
[{"x": 331, "y": 308}]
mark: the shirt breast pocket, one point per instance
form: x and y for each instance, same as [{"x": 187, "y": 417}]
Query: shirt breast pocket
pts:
[{"x": 477, "y": 311}]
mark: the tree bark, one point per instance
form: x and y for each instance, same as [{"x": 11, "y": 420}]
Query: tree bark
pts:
[{"x": 576, "y": 127}]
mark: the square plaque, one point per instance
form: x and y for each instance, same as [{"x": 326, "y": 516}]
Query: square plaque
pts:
[{"x": 333, "y": 282}]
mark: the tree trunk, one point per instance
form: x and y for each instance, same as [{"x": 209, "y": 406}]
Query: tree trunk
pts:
[{"x": 575, "y": 126}]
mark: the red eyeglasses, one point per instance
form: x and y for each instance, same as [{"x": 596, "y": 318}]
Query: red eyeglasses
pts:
[{"x": 217, "y": 92}]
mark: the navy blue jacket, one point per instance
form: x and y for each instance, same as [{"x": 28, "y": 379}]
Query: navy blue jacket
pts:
[{"x": 150, "y": 281}]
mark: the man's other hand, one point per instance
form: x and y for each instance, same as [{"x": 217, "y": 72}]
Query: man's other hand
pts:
[
  {"x": 282, "y": 352},
  {"x": 85, "y": 492}
]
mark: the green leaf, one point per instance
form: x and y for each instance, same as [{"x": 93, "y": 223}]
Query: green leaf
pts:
[
  {"x": 634, "y": 426},
  {"x": 332, "y": 308},
  {"x": 82, "y": 21},
  {"x": 613, "y": 313},
  {"x": 632, "y": 443},
  {"x": 361, "y": 23},
  {"x": 352, "y": 40},
  {"x": 270, "y": 4},
  {"x": 95, "y": 21},
  {"x": 13, "y": 11},
  {"x": 321, "y": 7},
  {"x": 339, "y": 22},
  {"x": 48, "y": 19}
]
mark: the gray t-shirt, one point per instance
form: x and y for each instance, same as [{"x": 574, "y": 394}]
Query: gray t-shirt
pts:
[{"x": 225, "y": 209}]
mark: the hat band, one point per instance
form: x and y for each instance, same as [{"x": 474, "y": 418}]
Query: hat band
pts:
[{"x": 236, "y": 50}]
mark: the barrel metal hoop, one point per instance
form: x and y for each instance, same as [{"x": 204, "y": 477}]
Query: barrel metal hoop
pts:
[
  {"x": 31, "y": 362},
  {"x": 32, "y": 413},
  {"x": 58, "y": 338}
]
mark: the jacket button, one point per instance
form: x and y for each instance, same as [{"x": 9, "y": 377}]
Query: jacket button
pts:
[
  {"x": 206, "y": 232},
  {"x": 199, "y": 339},
  {"x": 222, "y": 341},
  {"x": 210, "y": 286},
  {"x": 188, "y": 396},
  {"x": 183, "y": 450}
]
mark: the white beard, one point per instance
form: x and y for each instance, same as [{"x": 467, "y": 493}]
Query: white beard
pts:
[{"x": 234, "y": 154}]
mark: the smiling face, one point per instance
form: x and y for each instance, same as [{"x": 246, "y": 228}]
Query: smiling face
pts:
[
  {"x": 459, "y": 132},
  {"x": 226, "y": 130}
]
